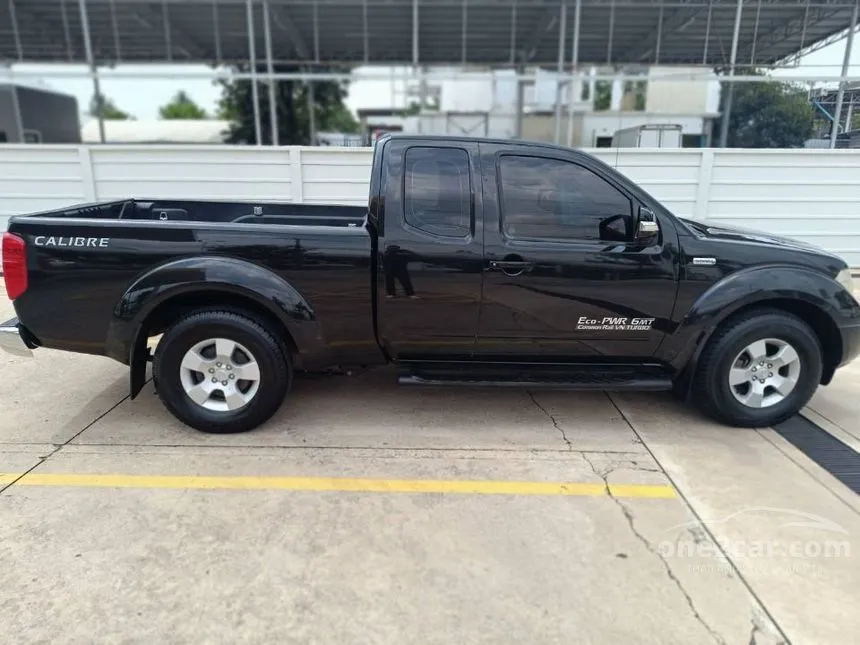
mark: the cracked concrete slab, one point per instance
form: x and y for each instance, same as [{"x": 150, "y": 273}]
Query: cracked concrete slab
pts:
[
  {"x": 586, "y": 421},
  {"x": 369, "y": 410},
  {"x": 794, "y": 542},
  {"x": 283, "y": 566}
]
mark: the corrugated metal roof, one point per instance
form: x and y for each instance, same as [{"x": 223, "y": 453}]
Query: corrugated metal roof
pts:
[{"x": 496, "y": 32}]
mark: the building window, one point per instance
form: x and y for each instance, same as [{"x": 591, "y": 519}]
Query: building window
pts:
[
  {"x": 437, "y": 194},
  {"x": 634, "y": 96},
  {"x": 691, "y": 140},
  {"x": 549, "y": 199}
]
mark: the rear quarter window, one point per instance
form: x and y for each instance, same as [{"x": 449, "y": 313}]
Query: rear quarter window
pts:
[{"x": 437, "y": 191}]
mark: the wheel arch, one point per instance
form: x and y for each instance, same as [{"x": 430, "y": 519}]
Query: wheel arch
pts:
[
  {"x": 811, "y": 295},
  {"x": 821, "y": 323},
  {"x": 174, "y": 307},
  {"x": 170, "y": 291}
]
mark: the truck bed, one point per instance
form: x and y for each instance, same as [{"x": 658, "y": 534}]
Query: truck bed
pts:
[
  {"x": 85, "y": 259},
  {"x": 215, "y": 212}
]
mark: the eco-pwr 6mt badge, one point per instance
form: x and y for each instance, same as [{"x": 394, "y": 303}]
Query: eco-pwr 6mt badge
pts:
[{"x": 611, "y": 323}]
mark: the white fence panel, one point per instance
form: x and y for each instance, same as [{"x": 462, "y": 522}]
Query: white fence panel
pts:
[
  {"x": 813, "y": 195},
  {"x": 185, "y": 172},
  {"x": 335, "y": 175},
  {"x": 39, "y": 178},
  {"x": 672, "y": 176}
]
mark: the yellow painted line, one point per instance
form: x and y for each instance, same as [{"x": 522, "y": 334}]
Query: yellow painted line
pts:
[{"x": 201, "y": 482}]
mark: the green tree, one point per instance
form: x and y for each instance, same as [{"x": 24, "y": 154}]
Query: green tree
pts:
[
  {"x": 768, "y": 115},
  {"x": 431, "y": 104},
  {"x": 109, "y": 109},
  {"x": 602, "y": 95},
  {"x": 291, "y": 98},
  {"x": 181, "y": 106},
  {"x": 413, "y": 109}
]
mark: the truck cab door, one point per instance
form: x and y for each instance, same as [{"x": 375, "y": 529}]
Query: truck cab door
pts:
[
  {"x": 566, "y": 277},
  {"x": 430, "y": 251}
]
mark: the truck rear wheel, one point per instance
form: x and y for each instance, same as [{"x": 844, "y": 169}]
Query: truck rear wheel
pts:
[
  {"x": 758, "y": 369},
  {"x": 221, "y": 372}
]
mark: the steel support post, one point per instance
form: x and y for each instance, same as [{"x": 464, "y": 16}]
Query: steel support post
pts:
[
  {"x": 252, "y": 60},
  {"x": 576, "y": 84},
  {"x": 88, "y": 48},
  {"x": 270, "y": 70},
  {"x": 727, "y": 106},
  {"x": 846, "y": 62},
  {"x": 562, "y": 36}
]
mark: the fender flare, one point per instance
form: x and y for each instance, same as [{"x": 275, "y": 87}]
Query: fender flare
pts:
[
  {"x": 762, "y": 285},
  {"x": 126, "y": 340}
]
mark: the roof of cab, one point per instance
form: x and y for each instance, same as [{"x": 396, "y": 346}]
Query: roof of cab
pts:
[{"x": 505, "y": 142}]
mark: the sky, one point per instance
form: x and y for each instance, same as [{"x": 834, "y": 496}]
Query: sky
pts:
[{"x": 142, "y": 98}]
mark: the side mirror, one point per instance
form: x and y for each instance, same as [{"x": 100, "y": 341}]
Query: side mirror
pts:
[{"x": 647, "y": 228}]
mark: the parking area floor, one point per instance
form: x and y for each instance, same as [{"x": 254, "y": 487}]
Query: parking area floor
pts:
[{"x": 368, "y": 513}]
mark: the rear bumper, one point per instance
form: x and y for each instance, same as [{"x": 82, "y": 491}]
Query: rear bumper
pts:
[{"x": 11, "y": 339}]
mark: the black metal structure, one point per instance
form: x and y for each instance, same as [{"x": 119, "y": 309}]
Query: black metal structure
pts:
[
  {"x": 425, "y": 32},
  {"x": 824, "y": 449}
]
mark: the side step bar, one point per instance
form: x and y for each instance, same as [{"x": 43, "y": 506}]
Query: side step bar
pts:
[{"x": 645, "y": 383}]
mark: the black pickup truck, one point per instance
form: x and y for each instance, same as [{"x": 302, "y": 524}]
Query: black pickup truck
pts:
[{"x": 476, "y": 262}]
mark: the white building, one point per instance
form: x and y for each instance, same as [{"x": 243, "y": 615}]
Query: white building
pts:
[{"x": 485, "y": 104}]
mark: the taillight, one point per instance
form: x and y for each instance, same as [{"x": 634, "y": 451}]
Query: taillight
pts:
[{"x": 14, "y": 265}]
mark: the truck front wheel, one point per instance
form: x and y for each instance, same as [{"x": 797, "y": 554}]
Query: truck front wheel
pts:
[
  {"x": 221, "y": 372},
  {"x": 758, "y": 369}
]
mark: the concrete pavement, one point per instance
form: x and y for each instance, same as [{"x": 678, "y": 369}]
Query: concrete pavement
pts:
[
  {"x": 195, "y": 565},
  {"x": 789, "y": 529}
]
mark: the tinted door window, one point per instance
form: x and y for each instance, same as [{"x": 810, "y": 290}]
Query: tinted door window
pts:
[
  {"x": 551, "y": 199},
  {"x": 437, "y": 194}
]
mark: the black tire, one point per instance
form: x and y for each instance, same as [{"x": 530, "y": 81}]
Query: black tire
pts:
[
  {"x": 275, "y": 370},
  {"x": 711, "y": 389}
]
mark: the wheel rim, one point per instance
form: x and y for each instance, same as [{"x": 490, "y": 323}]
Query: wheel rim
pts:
[
  {"x": 764, "y": 373},
  {"x": 220, "y": 375}
]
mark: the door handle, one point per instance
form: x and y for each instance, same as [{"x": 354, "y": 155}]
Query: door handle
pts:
[
  {"x": 504, "y": 264},
  {"x": 511, "y": 267}
]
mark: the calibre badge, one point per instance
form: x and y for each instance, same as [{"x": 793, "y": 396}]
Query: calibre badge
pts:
[
  {"x": 612, "y": 323},
  {"x": 66, "y": 242}
]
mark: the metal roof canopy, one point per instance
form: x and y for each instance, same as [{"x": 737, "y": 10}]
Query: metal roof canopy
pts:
[{"x": 420, "y": 32}]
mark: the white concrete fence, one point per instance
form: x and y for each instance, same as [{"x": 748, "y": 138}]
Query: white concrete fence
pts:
[{"x": 813, "y": 195}]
